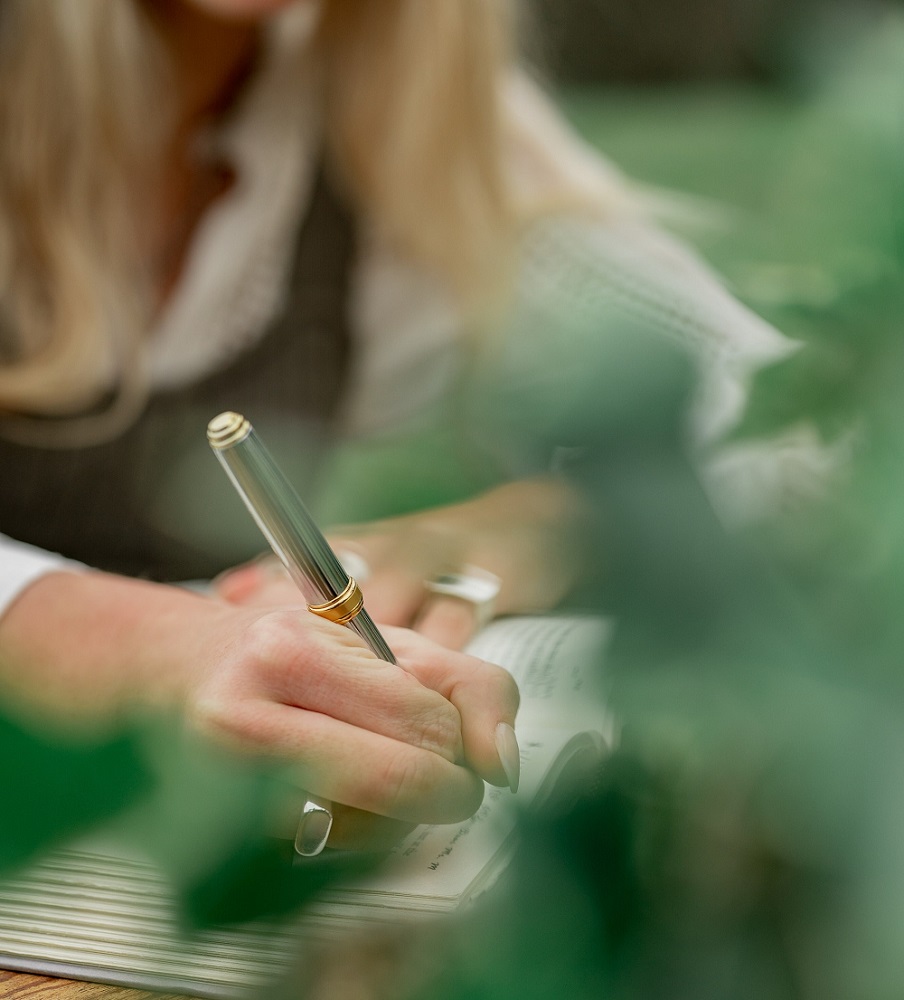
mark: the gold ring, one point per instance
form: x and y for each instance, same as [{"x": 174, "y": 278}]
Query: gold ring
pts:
[{"x": 343, "y": 608}]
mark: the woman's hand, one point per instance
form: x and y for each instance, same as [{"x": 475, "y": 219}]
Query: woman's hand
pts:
[
  {"x": 522, "y": 533},
  {"x": 392, "y": 745}
]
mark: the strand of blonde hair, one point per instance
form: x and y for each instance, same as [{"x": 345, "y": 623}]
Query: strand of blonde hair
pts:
[
  {"x": 78, "y": 139},
  {"x": 414, "y": 122}
]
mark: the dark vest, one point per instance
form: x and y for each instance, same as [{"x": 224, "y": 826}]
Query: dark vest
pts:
[{"x": 154, "y": 502}]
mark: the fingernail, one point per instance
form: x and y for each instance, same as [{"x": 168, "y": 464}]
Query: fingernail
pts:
[{"x": 509, "y": 754}]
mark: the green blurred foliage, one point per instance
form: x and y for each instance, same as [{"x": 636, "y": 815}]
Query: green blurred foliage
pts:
[
  {"x": 52, "y": 786},
  {"x": 203, "y": 814},
  {"x": 746, "y": 839}
]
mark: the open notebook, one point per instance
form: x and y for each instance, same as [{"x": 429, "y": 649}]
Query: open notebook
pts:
[{"x": 92, "y": 912}]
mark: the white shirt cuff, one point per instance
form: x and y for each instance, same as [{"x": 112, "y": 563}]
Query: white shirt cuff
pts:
[{"x": 21, "y": 565}]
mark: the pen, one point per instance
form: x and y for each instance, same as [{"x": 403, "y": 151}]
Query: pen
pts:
[
  {"x": 289, "y": 528},
  {"x": 306, "y": 555}
]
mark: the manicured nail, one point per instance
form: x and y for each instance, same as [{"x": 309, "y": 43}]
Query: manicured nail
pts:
[{"x": 509, "y": 754}]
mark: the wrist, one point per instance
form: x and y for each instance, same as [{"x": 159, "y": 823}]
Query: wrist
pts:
[{"x": 90, "y": 647}]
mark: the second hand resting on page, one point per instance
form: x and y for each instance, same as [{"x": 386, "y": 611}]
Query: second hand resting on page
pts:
[
  {"x": 522, "y": 532},
  {"x": 390, "y": 745}
]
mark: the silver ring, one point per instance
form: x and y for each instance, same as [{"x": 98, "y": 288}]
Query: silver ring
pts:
[
  {"x": 314, "y": 827},
  {"x": 354, "y": 564},
  {"x": 477, "y": 587}
]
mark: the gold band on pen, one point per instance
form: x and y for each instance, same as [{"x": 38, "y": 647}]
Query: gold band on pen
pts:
[{"x": 343, "y": 608}]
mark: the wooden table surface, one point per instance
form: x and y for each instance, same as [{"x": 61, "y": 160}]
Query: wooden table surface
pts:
[{"x": 22, "y": 986}]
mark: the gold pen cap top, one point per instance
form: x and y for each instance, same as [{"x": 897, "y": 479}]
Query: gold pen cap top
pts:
[{"x": 227, "y": 429}]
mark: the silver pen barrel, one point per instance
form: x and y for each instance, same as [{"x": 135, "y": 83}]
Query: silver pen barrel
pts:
[{"x": 285, "y": 521}]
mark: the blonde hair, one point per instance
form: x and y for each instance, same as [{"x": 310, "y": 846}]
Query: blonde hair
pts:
[
  {"x": 414, "y": 122},
  {"x": 414, "y": 127},
  {"x": 74, "y": 148}
]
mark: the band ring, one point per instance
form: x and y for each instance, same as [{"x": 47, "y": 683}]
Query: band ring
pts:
[
  {"x": 473, "y": 585},
  {"x": 354, "y": 564},
  {"x": 342, "y": 608},
  {"x": 314, "y": 825}
]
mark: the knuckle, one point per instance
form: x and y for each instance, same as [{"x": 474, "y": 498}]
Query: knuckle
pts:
[
  {"x": 497, "y": 682},
  {"x": 413, "y": 789},
  {"x": 269, "y": 638},
  {"x": 407, "y": 779},
  {"x": 437, "y": 728},
  {"x": 287, "y": 656},
  {"x": 507, "y": 686},
  {"x": 495, "y": 685},
  {"x": 227, "y": 721}
]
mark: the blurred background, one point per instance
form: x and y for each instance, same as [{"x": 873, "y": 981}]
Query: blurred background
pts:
[{"x": 650, "y": 42}]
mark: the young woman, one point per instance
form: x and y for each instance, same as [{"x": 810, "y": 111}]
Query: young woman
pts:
[{"x": 312, "y": 213}]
